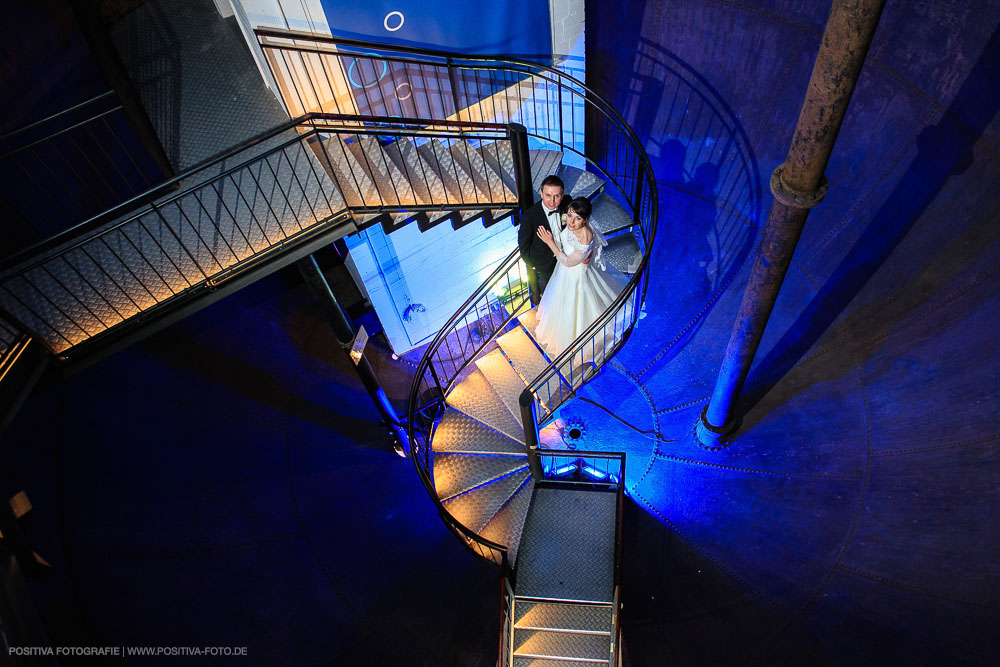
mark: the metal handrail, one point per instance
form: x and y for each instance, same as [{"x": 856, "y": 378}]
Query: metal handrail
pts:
[
  {"x": 228, "y": 264},
  {"x": 68, "y": 110},
  {"x": 310, "y": 118}
]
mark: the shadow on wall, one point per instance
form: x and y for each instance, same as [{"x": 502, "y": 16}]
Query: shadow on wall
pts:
[
  {"x": 708, "y": 180},
  {"x": 943, "y": 150}
]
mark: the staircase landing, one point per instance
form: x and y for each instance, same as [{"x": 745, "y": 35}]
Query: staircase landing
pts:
[{"x": 568, "y": 546}]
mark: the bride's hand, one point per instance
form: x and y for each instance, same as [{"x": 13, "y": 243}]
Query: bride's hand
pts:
[{"x": 545, "y": 235}]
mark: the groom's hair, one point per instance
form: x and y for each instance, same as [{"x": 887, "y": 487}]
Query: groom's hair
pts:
[
  {"x": 582, "y": 207},
  {"x": 552, "y": 180}
]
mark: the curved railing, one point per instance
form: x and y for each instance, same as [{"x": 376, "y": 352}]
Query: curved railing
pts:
[
  {"x": 482, "y": 318},
  {"x": 559, "y": 112}
]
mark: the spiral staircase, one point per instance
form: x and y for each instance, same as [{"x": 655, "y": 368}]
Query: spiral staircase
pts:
[{"x": 480, "y": 419}]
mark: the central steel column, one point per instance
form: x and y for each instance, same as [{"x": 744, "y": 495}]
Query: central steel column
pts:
[{"x": 797, "y": 185}]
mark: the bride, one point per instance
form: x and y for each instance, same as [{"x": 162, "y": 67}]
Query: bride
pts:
[{"x": 583, "y": 284}]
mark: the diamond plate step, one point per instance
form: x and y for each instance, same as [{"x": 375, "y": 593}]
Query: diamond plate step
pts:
[
  {"x": 529, "y": 320},
  {"x": 568, "y": 548},
  {"x": 390, "y": 181},
  {"x": 500, "y": 159},
  {"x": 609, "y": 216},
  {"x": 457, "y": 182},
  {"x": 476, "y": 508},
  {"x": 475, "y": 397},
  {"x": 623, "y": 253},
  {"x": 528, "y": 360},
  {"x": 458, "y": 433},
  {"x": 425, "y": 181},
  {"x": 506, "y": 527},
  {"x": 544, "y": 644},
  {"x": 543, "y": 163},
  {"x": 541, "y": 662},
  {"x": 460, "y": 473},
  {"x": 350, "y": 179},
  {"x": 580, "y": 183},
  {"x": 505, "y": 381},
  {"x": 489, "y": 186},
  {"x": 393, "y": 188},
  {"x": 594, "y": 619},
  {"x": 523, "y": 353}
]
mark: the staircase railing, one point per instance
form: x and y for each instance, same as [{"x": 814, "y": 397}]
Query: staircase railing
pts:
[
  {"x": 583, "y": 469},
  {"x": 484, "y": 316},
  {"x": 333, "y": 74},
  {"x": 68, "y": 166},
  {"x": 269, "y": 201}
]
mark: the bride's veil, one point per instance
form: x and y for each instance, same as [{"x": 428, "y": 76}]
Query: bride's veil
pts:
[{"x": 599, "y": 243}]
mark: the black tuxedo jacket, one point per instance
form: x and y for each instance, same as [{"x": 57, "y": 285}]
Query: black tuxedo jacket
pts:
[{"x": 534, "y": 252}]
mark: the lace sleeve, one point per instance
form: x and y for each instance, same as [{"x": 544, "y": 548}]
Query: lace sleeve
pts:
[{"x": 578, "y": 255}]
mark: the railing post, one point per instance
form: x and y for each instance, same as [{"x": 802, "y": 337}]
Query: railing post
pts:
[
  {"x": 797, "y": 185},
  {"x": 454, "y": 87},
  {"x": 345, "y": 335},
  {"x": 637, "y": 202},
  {"x": 527, "y": 402},
  {"x": 522, "y": 166}
]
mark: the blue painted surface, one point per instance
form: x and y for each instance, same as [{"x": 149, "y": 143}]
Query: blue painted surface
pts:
[
  {"x": 227, "y": 482},
  {"x": 508, "y": 26}
]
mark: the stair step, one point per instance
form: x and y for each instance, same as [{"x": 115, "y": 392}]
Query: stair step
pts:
[
  {"x": 523, "y": 353},
  {"x": 475, "y": 397},
  {"x": 623, "y": 253},
  {"x": 390, "y": 181},
  {"x": 457, "y": 182},
  {"x": 458, "y": 433},
  {"x": 568, "y": 550},
  {"x": 546, "y": 644},
  {"x": 476, "y": 508},
  {"x": 506, "y": 527},
  {"x": 505, "y": 381},
  {"x": 543, "y": 163},
  {"x": 351, "y": 180},
  {"x": 425, "y": 181},
  {"x": 500, "y": 159},
  {"x": 609, "y": 216},
  {"x": 529, "y": 361},
  {"x": 580, "y": 183},
  {"x": 542, "y": 662},
  {"x": 489, "y": 186},
  {"x": 460, "y": 473},
  {"x": 594, "y": 619}
]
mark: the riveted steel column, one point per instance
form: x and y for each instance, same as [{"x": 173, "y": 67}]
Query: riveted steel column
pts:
[
  {"x": 522, "y": 166},
  {"x": 797, "y": 185}
]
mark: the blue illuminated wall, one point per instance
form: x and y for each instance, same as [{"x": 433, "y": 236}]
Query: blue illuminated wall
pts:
[{"x": 503, "y": 26}]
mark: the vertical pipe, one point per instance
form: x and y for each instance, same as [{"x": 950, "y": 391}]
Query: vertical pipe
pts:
[
  {"x": 321, "y": 291},
  {"x": 522, "y": 166},
  {"x": 797, "y": 185}
]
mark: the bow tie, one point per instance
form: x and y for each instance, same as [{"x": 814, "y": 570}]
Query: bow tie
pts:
[{"x": 553, "y": 212}]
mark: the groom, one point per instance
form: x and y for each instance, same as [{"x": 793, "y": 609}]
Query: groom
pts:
[{"x": 536, "y": 255}]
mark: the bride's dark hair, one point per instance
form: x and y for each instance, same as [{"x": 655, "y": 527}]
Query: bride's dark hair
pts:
[{"x": 582, "y": 207}]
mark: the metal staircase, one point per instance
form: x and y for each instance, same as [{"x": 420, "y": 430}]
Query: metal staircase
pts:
[
  {"x": 550, "y": 519},
  {"x": 560, "y": 532}
]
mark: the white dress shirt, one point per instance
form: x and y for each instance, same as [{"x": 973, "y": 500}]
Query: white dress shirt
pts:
[{"x": 555, "y": 226}]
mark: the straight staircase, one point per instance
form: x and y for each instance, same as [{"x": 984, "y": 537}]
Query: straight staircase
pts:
[{"x": 249, "y": 206}]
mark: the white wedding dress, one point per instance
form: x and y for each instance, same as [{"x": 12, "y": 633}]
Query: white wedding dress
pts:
[{"x": 577, "y": 293}]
